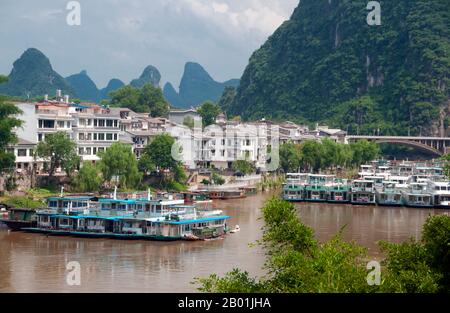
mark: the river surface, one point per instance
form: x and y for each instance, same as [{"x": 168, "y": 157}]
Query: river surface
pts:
[{"x": 36, "y": 263}]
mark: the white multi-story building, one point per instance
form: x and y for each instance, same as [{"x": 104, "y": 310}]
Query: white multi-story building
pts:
[{"x": 93, "y": 128}]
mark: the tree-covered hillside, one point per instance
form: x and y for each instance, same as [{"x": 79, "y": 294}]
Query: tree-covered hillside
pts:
[
  {"x": 327, "y": 64},
  {"x": 32, "y": 75}
]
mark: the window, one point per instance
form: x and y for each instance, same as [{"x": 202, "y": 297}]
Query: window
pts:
[
  {"x": 89, "y": 122},
  {"x": 40, "y": 137},
  {"x": 101, "y": 136},
  {"x": 109, "y": 123},
  {"x": 82, "y": 122},
  {"x": 101, "y": 123},
  {"x": 60, "y": 124},
  {"x": 31, "y": 152},
  {"x": 101, "y": 149},
  {"x": 80, "y": 151},
  {"x": 81, "y": 136},
  {"x": 115, "y": 137},
  {"x": 94, "y": 150},
  {"x": 109, "y": 136},
  {"x": 95, "y": 136},
  {"x": 95, "y": 123},
  {"x": 46, "y": 124},
  {"x": 88, "y": 151},
  {"x": 115, "y": 123},
  {"x": 22, "y": 152}
]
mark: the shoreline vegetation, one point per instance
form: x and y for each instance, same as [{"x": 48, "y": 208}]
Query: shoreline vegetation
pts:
[{"x": 298, "y": 263}]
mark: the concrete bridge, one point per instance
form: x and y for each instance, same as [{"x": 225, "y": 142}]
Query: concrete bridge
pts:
[{"x": 434, "y": 145}]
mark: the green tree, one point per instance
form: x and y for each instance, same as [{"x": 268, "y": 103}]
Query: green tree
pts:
[
  {"x": 88, "y": 179},
  {"x": 119, "y": 162},
  {"x": 152, "y": 98},
  {"x": 8, "y": 122},
  {"x": 290, "y": 157},
  {"x": 60, "y": 151},
  {"x": 209, "y": 112},
  {"x": 217, "y": 179},
  {"x": 148, "y": 99},
  {"x": 312, "y": 155},
  {"x": 243, "y": 166},
  {"x": 158, "y": 154},
  {"x": 127, "y": 97},
  {"x": 364, "y": 151}
]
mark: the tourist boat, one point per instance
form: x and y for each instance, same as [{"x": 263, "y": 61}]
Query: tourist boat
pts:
[
  {"x": 136, "y": 219},
  {"x": 389, "y": 194},
  {"x": 293, "y": 189},
  {"x": 401, "y": 182},
  {"x": 293, "y": 193},
  {"x": 441, "y": 193},
  {"x": 316, "y": 193},
  {"x": 17, "y": 218},
  {"x": 339, "y": 192},
  {"x": 377, "y": 181},
  {"x": 366, "y": 170},
  {"x": 405, "y": 169},
  {"x": 384, "y": 171},
  {"x": 362, "y": 192},
  {"x": 418, "y": 195},
  {"x": 316, "y": 190}
]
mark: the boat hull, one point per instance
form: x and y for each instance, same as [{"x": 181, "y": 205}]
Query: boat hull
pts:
[{"x": 17, "y": 225}]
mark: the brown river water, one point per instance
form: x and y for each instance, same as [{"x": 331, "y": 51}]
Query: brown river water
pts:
[{"x": 36, "y": 263}]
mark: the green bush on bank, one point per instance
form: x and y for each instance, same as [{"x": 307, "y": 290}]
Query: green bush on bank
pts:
[{"x": 297, "y": 263}]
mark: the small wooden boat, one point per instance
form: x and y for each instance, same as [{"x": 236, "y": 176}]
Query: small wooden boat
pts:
[
  {"x": 233, "y": 194},
  {"x": 227, "y": 194}
]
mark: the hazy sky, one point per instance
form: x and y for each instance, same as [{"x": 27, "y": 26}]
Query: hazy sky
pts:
[{"x": 118, "y": 38}]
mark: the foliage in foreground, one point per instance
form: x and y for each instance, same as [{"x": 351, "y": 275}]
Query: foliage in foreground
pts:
[{"x": 297, "y": 263}]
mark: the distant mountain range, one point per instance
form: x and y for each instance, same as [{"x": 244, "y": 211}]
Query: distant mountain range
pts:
[
  {"x": 33, "y": 76},
  {"x": 196, "y": 87}
]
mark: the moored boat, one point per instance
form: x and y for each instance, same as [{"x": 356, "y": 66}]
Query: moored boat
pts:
[
  {"x": 389, "y": 194},
  {"x": 362, "y": 192},
  {"x": 339, "y": 192},
  {"x": 418, "y": 195},
  {"x": 18, "y": 218}
]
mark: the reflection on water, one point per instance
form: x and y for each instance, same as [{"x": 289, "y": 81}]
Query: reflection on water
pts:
[{"x": 36, "y": 263}]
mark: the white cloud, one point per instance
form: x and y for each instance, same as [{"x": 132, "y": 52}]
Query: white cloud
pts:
[
  {"x": 220, "y": 7},
  {"x": 119, "y": 38},
  {"x": 247, "y": 16}
]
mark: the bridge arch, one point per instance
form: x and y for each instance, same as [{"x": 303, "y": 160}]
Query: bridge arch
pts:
[{"x": 411, "y": 143}]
